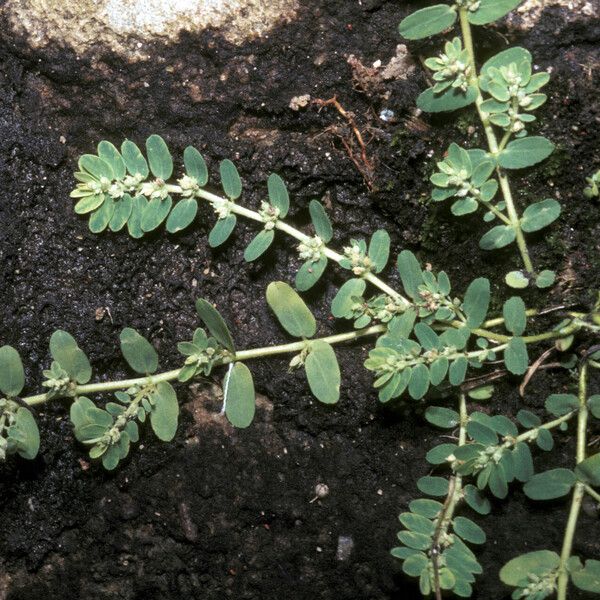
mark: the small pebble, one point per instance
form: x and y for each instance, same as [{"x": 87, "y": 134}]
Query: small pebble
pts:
[
  {"x": 387, "y": 115},
  {"x": 344, "y": 547}
]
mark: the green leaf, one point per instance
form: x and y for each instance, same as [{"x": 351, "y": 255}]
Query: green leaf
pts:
[
  {"x": 426, "y": 507},
  {"x": 294, "y": 316},
  {"x": 182, "y": 215},
  {"x": 588, "y": 470},
  {"x": 320, "y": 221},
  {"x": 497, "y": 481},
  {"x": 12, "y": 375},
  {"x": 95, "y": 166},
  {"x": 122, "y": 212},
  {"x": 138, "y": 352},
  {"x": 477, "y": 302},
  {"x": 419, "y": 382},
  {"x": 410, "y": 273},
  {"x": 278, "y": 194},
  {"x": 134, "y": 223},
  {"x": 134, "y": 159},
  {"x": 109, "y": 154},
  {"x": 516, "y": 357},
  {"x": 517, "y": 570},
  {"x": 215, "y": 323},
  {"x": 433, "y": 486},
  {"x": 515, "y": 317},
  {"x": 476, "y": 500},
  {"x": 159, "y": 157},
  {"x": 588, "y": 578},
  {"x": 540, "y": 215},
  {"x": 464, "y": 206},
  {"x": 309, "y": 273},
  {"x": 545, "y": 279},
  {"x": 417, "y": 523},
  {"x": 165, "y": 411},
  {"x": 594, "y": 405},
  {"x": 561, "y": 404},
  {"x": 220, "y": 233},
  {"x": 481, "y": 433},
  {"x": 238, "y": 389},
  {"x": 516, "y": 280},
  {"x": 427, "y": 21},
  {"x": 442, "y": 417},
  {"x": 484, "y": 392},
  {"x": 402, "y": 552},
  {"x": 195, "y": 166},
  {"x": 342, "y": 303},
  {"x": 528, "y": 419},
  {"x": 379, "y": 249},
  {"x": 155, "y": 213},
  {"x": 458, "y": 370},
  {"x": 111, "y": 458},
  {"x": 89, "y": 421},
  {"x": 525, "y": 152},
  {"x": 456, "y": 338},
  {"x": 88, "y": 204},
  {"x": 402, "y": 326},
  {"x": 323, "y": 372},
  {"x": 469, "y": 531},
  {"x": 418, "y": 541},
  {"x": 439, "y": 454},
  {"x": 395, "y": 386},
  {"x": 522, "y": 462},
  {"x": 438, "y": 370},
  {"x": 70, "y": 357},
  {"x": 550, "y": 484},
  {"x": 451, "y": 99},
  {"x": 26, "y": 434},
  {"x": 100, "y": 219},
  {"x": 259, "y": 245},
  {"x": 516, "y": 55},
  {"x": 491, "y": 10},
  {"x": 230, "y": 179},
  {"x": 544, "y": 440},
  {"x": 427, "y": 337},
  {"x": 414, "y": 564},
  {"x": 497, "y": 237}
]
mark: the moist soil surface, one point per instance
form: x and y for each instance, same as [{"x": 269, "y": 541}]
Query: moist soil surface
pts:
[{"x": 220, "y": 512}]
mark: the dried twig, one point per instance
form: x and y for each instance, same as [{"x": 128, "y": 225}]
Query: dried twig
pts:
[
  {"x": 361, "y": 161},
  {"x": 533, "y": 368}
]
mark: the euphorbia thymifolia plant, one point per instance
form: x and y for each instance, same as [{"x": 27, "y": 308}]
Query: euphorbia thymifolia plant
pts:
[
  {"x": 505, "y": 92},
  {"x": 425, "y": 335}
]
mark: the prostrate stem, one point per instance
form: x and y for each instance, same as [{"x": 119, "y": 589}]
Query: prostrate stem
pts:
[
  {"x": 297, "y": 234},
  {"x": 452, "y": 499},
  {"x": 579, "y": 489},
  {"x": 242, "y": 355},
  {"x": 493, "y": 145}
]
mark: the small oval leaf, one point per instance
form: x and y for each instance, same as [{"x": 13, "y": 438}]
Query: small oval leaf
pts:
[{"x": 293, "y": 314}]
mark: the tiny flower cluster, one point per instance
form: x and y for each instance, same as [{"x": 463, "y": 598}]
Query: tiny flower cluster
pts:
[
  {"x": 57, "y": 380},
  {"x": 201, "y": 355},
  {"x": 465, "y": 175},
  {"x": 270, "y": 215},
  {"x": 356, "y": 258},
  {"x": 311, "y": 249},
  {"x": 514, "y": 91},
  {"x": 452, "y": 68}
]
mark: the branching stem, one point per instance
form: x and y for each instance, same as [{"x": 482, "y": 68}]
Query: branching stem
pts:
[
  {"x": 242, "y": 355},
  {"x": 300, "y": 236},
  {"x": 453, "y": 498},
  {"x": 579, "y": 489},
  {"x": 494, "y": 148}
]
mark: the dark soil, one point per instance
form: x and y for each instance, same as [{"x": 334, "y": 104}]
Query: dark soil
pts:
[{"x": 222, "y": 513}]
